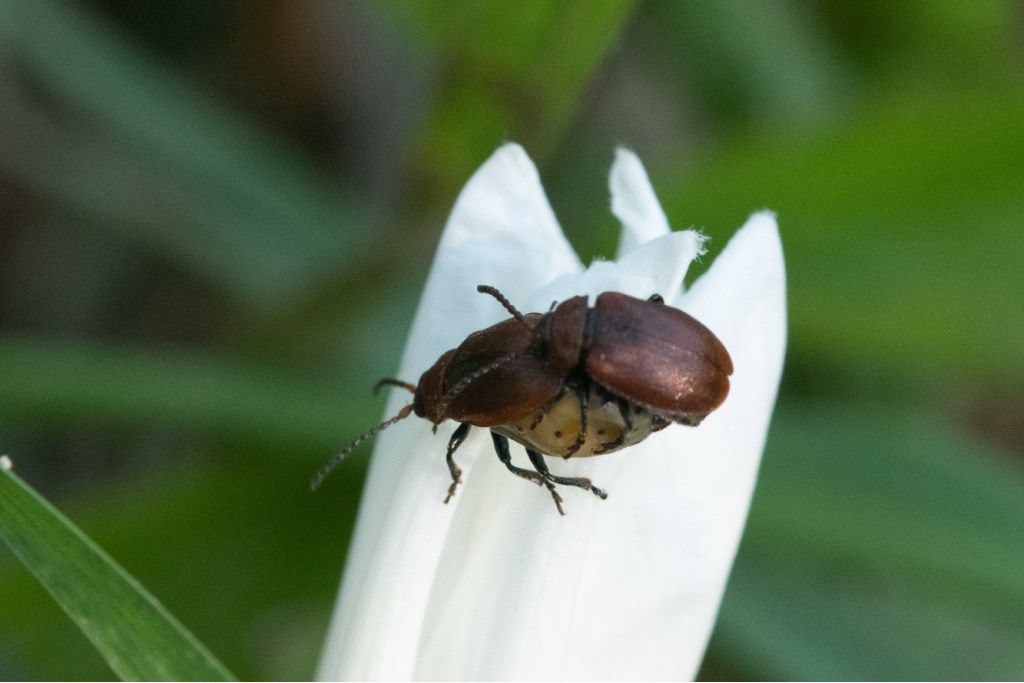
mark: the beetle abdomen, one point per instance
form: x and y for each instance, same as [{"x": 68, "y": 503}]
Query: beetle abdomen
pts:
[
  {"x": 657, "y": 357},
  {"x": 556, "y": 431}
]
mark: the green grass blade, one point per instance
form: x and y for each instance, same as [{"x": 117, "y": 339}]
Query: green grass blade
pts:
[
  {"x": 134, "y": 633},
  {"x": 262, "y": 570}
]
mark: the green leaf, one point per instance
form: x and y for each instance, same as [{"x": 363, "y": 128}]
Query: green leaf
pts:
[
  {"x": 882, "y": 544},
  {"x": 137, "y": 636},
  {"x": 136, "y": 149},
  {"x": 901, "y": 231}
]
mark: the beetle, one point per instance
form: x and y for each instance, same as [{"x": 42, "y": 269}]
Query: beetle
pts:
[{"x": 577, "y": 381}]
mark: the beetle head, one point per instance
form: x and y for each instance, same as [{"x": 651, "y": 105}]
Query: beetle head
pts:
[{"x": 427, "y": 401}]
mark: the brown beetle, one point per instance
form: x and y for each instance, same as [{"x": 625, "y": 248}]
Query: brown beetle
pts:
[{"x": 573, "y": 382}]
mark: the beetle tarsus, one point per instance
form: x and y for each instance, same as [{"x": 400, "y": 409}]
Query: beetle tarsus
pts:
[
  {"x": 579, "y": 482},
  {"x": 501, "y": 447},
  {"x": 557, "y": 498},
  {"x": 458, "y": 436}
]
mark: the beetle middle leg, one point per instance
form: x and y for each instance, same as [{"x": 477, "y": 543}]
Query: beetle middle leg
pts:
[
  {"x": 458, "y": 436},
  {"x": 580, "y": 482},
  {"x": 546, "y": 409},
  {"x": 501, "y": 447},
  {"x": 628, "y": 413},
  {"x": 581, "y": 438}
]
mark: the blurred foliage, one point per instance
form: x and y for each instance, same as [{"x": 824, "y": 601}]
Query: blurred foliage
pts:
[
  {"x": 911, "y": 197},
  {"x": 214, "y": 224},
  {"x": 903, "y": 543}
]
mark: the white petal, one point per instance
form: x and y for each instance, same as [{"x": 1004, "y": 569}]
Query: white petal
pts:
[
  {"x": 634, "y": 203},
  {"x": 501, "y": 232},
  {"x": 657, "y": 266},
  {"x": 626, "y": 588}
]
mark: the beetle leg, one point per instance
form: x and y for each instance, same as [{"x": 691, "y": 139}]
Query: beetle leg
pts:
[
  {"x": 581, "y": 482},
  {"x": 546, "y": 409},
  {"x": 626, "y": 408},
  {"x": 658, "y": 423},
  {"x": 626, "y": 411},
  {"x": 610, "y": 445},
  {"x": 584, "y": 395},
  {"x": 501, "y": 447},
  {"x": 458, "y": 436}
]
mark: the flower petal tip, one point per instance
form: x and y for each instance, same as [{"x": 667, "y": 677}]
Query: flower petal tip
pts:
[
  {"x": 514, "y": 154},
  {"x": 757, "y": 245},
  {"x": 634, "y": 202},
  {"x": 508, "y": 175},
  {"x": 763, "y": 222}
]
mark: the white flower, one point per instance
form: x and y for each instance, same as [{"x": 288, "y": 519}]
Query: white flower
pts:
[{"x": 496, "y": 585}]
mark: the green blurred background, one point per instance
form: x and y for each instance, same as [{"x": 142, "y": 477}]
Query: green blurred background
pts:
[{"x": 216, "y": 219}]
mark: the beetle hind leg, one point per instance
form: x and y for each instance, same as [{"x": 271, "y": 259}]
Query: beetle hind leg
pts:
[
  {"x": 580, "y": 482},
  {"x": 501, "y": 447},
  {"x": 458, "y": 436}
]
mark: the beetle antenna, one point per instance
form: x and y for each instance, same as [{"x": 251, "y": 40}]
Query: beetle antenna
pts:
[
  {"x": 340, "y": 456},
  {"x": 389, "y": 381},
  {"x": 487, "y": 289}
]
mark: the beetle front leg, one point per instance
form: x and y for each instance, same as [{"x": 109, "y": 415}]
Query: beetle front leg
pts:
[
  {"x": 580, "y": 482},
  {"x": 458, "y": 436},
  {"x": 501, "y": 447}
]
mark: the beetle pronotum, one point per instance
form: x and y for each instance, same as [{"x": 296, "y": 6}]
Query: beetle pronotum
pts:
[{"x": 576, "y": 381}]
